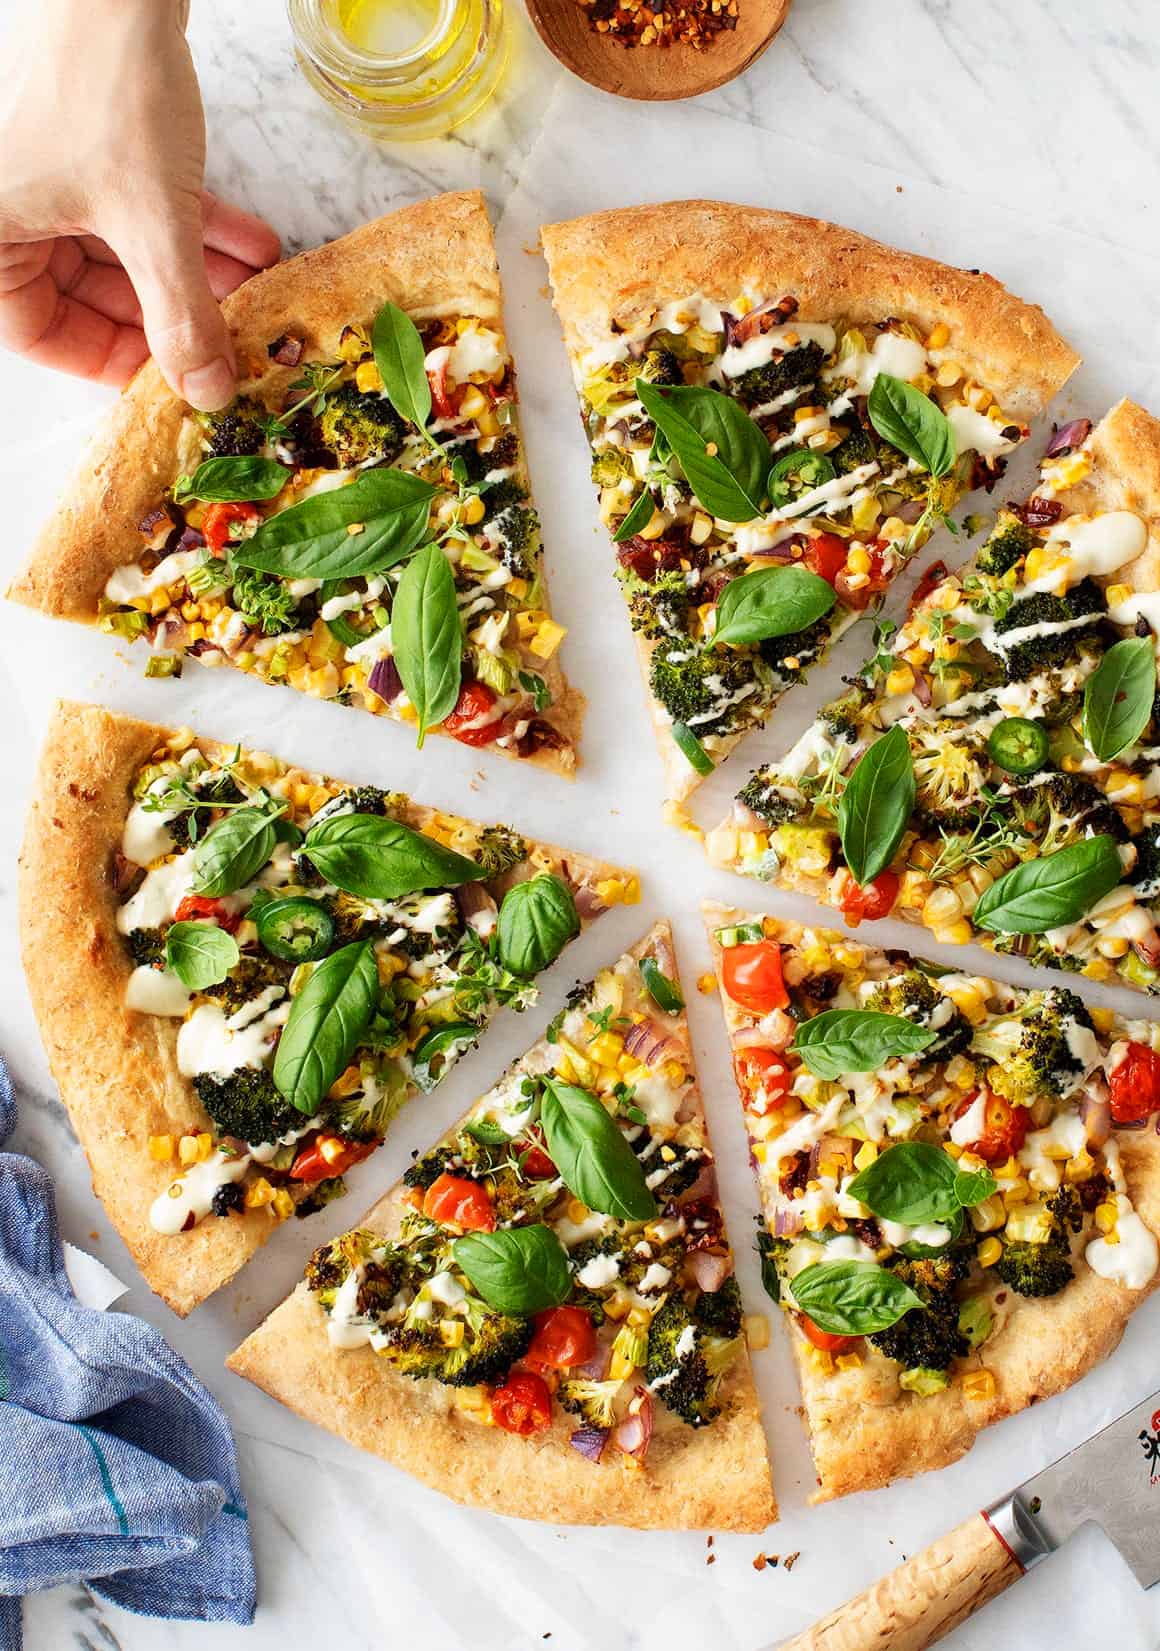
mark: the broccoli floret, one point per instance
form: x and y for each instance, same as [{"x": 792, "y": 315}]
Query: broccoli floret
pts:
[
  {"x": 698, "y": 685},
  {"x": 1145, "y": 874},
  {"x": 840, "y": 717},
  {"x": 491, "y": 1345},
  {"x": 1034, "y": 1049},
  {"x": 669, "y": 1168},
  {"x": 720, "y": 1311},
  {"x": 796, "y": 369},
  {"x": 658, "y": 366},
  {"x": 357, "y": 425},
  {"x": 657, "y": 607},
  {"x": 685, "y": 1365},
  {"x": 1064, "y": 809},
  {"x": 425, "y": 1170},
  {"x": 237, "y": 429},
  {"x": 853, "y": 452},
  {"x": 762, "y": 794},
  {"x": 499, "y": 849},
  {"x": 264, "y": 600},
  {"x": 514, "y": 534},
  {"x": 593, "y": 1402},
  {"x": 502, "y": 455},
  {"x": 1008, "y": 543},
  {"x": 790, "y": 656},
  {"x": 246, "y": 1105},
  {"x": 914, "y": 996},
  {"x": 611, "y": 466},
  {"x": 1043, "y": 653},
  {"x": 251, "y": 974},
  {"x": 331, "y": 1264},
  {"x": 190, "y": 825},
  {"x": 502, "y": 497},
  {"x": 929, "y": 1338},
  {"x": 1043, "y": 1267},
  {"x": 147, "y": 946}
]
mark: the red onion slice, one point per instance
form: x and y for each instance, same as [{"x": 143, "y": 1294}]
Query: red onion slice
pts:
[
  {"x": 385, "y": 680},
  {"x": 589, "y": 904},
  {"x": 1072, "y": 434},
  {"x": 1097, "y": 1118},
  {"x": 286, "y": 350},
  {"x": 633, "y": 1434},
  {"x": 786, "y": 1223},
  {"x": 922, "y": 689},
  {"x": 477, "y": 908},
  {"x": 709, "y": 1270},
  {"x": 590, "y": 1442},
  {"x": 646, "y": 1041}
]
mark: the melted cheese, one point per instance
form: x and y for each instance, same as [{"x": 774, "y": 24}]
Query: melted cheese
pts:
[
  {"x": 209, "y": 1041},
  {"x": 759, "y": 350},
  {"x": 974, "y": 432},
  {"x": 146, "y": 835},
  {"x": 891, "y": 353},
  {"x": 156, "y": 992},
  {"x": 159, "y": 896},
  {"x": 1134, "y": 1259},
  {"x": 128, "y": 583},
  {"x": 192, "y": 1193},
  {"x": 1099, "y": 544}
]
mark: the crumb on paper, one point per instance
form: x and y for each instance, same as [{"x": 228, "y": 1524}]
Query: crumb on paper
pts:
[
  {"x": 710, "y": 1559},
  {"x": 791, "y": 1560}
]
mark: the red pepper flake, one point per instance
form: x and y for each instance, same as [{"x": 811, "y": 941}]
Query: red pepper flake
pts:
[{"x": 694, "y": 23}]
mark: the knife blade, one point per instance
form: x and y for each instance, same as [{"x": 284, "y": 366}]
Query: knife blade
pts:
[{"x": 1112, "y": 1480}]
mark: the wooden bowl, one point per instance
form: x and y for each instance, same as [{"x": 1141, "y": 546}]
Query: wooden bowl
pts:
[{"x": 655, "y": 73}]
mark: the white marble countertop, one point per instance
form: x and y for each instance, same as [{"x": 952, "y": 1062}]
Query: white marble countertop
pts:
[{"x": 1016, "y": 135}]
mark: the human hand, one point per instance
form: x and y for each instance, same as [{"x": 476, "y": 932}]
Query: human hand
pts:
[{"x": 109, "y": 248}]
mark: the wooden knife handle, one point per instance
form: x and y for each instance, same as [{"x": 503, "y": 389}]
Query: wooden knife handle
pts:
[{"x": 922, "y": 1600}]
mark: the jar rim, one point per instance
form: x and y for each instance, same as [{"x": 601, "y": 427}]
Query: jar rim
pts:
[{"x": 333, "y": 51}]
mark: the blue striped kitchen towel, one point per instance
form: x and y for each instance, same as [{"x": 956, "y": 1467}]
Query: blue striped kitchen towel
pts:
[{"x": 117, "y": 1468}]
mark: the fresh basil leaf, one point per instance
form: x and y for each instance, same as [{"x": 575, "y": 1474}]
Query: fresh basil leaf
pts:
[
  {"x": 536, "y": 921},
  {"x": 381, "y": 859},
  {"x": 1117, "y": 701},
  {"x": 1056, "y": 889},
  {"x": 364, "y": 527},
  {"x": 427, "y": 636},
  {"x": 912, "y": 1183},
  {"x": 233, "y": 851},
  {"x": 517, "y": 1270},
  {"x": 876, "y": 805},
  {"x": 857, "y": 1040},
  {"x": 912, "y": 422},
  {"x": 639, "y": 516},
  {"x": 245, "y": 476},
  {"x": 771, "y": 602},
  {"x": 434, "y": 1053},
  {"x": 327, "y": 1021},
  {"x": 770, "y": 1277},
  {"x": 973, "y": 1187},
  {"x": 594, "y": 1160},
  {"x": 852, "y": 1298},
  {"x": 399, "y": 357},
  {"x": 730, "y": 481},
  {"x": 200, "y": 954}
]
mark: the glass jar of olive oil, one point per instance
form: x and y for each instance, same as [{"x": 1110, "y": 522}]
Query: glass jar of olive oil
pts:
[{"x": 402, "y": 68}]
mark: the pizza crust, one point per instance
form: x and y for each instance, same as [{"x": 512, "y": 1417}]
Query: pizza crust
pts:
[
  {"x": 435, "y": 258},
  {"x": 614, "y": 269},
  {"x": 715, "y": 1477},
  {"x": 865, "y": 1431},
  {"x": 117, "y": 1068},
  {"x": 1125, "y": 475}
]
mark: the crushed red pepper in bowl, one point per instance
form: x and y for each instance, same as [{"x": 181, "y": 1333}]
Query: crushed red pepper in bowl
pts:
[{"x": 693, "y": 23}]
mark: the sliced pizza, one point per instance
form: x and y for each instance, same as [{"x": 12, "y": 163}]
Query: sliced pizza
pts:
[
  {"x": 779, "y": 410},
  {"x": 960, "y": 1181},
  {"x": 358, "y": 523},
  {"x": 242, "y": 971},
  {"x": 541, "y": 1318},
  {"x": 995, "y": 772}
]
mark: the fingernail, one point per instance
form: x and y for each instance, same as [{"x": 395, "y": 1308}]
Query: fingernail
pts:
[{"x": 211, "y": 386}]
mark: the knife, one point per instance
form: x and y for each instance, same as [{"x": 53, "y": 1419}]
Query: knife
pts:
[{"x": 1113, "y": 1479}]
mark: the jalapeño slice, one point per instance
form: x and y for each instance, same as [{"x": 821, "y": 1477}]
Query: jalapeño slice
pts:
[
  {"x": 664, "y": 992},
  {"x": 691, "y": 749},
  {"x": 1018, "y": 745},
  {"x": 295, "y": 928},
  {"x": 796, "y": 472}
]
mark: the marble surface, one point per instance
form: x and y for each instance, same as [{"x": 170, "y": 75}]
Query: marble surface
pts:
[{"x": 1016, "y": 135}]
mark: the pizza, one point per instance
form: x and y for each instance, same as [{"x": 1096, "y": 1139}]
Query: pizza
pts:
[
  {"x": 960, "y": 1182},
  {"x": 541, "y": 1318},
  {"x": 779, "y": 412},
  {"x": 242, "y": 971},
  {"x": 994, "y": 773},
  {"x": 357, "y": 524}
]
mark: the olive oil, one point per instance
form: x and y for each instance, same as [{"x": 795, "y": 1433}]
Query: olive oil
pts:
[{"x": 402, "y": 68}]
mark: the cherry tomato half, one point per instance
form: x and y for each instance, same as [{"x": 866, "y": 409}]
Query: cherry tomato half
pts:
[
  {"x": 1004, "y": 1126},
  {"x": 220, "y": 518},
  {"x": 752, "y": 976},
  {"x": 534, "y": 1161},
  {"x": 475, "y": 701},
  {"x": 456, "y": 1201},
  {"x": 869, "y": 901},
  {"x": 860, "y": 596},
  {"x": 825, "y": 555},
  {"x": 1134, "y": 1086},
  {"x": 197, "y": 907},
  {"x": 564, "y": 1337},
  {"x": 931, "y": 579},
  {"x": 329, "y": 1155},
  {"x": 443, "y": 399},
  {"x": 523, "y": 1404},
  {"x": 823, "y": 1339},
  {"x": 762, "y": 1077}
]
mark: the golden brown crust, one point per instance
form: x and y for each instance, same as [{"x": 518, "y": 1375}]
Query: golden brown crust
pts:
[
  {"x": 715, "y": 1477},
  {"x": 116, "y": 1068},
  {"x": 434, "y": 258},
  {"x": 1125, "y": 475},
  {"x": 616, "y": 268},
  {"x": 866, "y": 1432}
]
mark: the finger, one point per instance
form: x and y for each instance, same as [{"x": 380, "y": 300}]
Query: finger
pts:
[
  {"x": 225, "y": 273},
  {"x": 103, "y": 287},
  {"x": 240, "y": 234},
  {"x": 51, "y": 329},
  {"x": 161, "y": 248}
]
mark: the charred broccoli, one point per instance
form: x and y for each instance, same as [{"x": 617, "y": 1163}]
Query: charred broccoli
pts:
[
  {"x": 251, "y": 974},
  {"x": 762, "y": 794},
  {"x": 357, "y": 425},
  {"x": 246, "y": 1105},
  {"x": 685, "y": 1365},
  {"x": 797, "y": 369},
  {"x": 514, "y": 533},
  {"x": 499, "y": 849},
  {"x": 192, "y": 823},
  {"x": 928, "y": 1339},
  {"x": 239, "y": 428},
  {"x": 1065, "y": 808},
  {"x": 331, "y": 1264},
  {"x": 1007, "y": 544},
  {"x": 855, "y": 450},
  {"x": 914, "y": 996},
  {"x": 491, "y": 1344},
  {"x": 1044, "y": 1050},
  {"x": 147, "y": 946},
  {"x": 703, "y": 687},
  {"x": 657, "y": 607},
  {"x": 1041, "y": 1266},
  {"x": 720, "y": 1311},
  {"x": 669, "y": 1168},
  {"x": 425, "y": 1170},
  {"x": 1145, "y": 874},
  {"x": 593, "y": 1402},
  {"x": 1085, "y": 602},
  {"x": 790, "y": 656},
  {"x": 503, "y": 453}
]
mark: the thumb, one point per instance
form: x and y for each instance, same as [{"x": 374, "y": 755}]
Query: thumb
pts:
[{"x": 163, "y": 252}]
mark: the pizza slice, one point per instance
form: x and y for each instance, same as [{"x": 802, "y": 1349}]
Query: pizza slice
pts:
[
  {"x": 358, "y": 523},
  {"x": 995, "y": 772},
  {"x": 242, "y": 971},
  {"x": 961, "y": 1194},
  {"x": 779, "y": 410},
  {"x": 541, "y": 1318}
]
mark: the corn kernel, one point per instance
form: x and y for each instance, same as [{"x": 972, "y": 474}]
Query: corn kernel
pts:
[
  {"x": 674, "y": 1072},
  {"x": 283, "y": 1205},
  {"x": 1017, "y": 1191},
  {"x": 204, "y": 1146},
  {"x": 979, "y": 1385},
  {"x": 849, "y": 1361},
  {"x": 161, "y": 1148},
  {"x": 607, "y": 1049},
  {"x": 547, "y": 639},
  {"x": 474, "y": 510},
  {"x": 187, "y": 1150},
  {"x": 473, "y": 402},
  {"x": 707, "y": 983},
  {"x": 900, "y": 680},
  {"x": 610, "y": 890},
  {"x": 517, "y": 588},
  {"x": 756, "y": 1327},
  {"x": 259, "y": 1193},
  {"x": 987, "y": 1216},
  {"x": 701, "y": 528},
  {"x": 940, "y": 335},
  {"x": 367, "y": 377},
  {"x": 821, "y": 1360},
  {"x": 858, "y": 561},
  {"x": 1117, "y": 594},
  {"x": 865, "y": 1155},
  {"x": 576, "y": 1211},
  {"x": 1107, "y": 1215},
  {"x": 988, "y": 1252},
  {"x": 655, "y": 526}
]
